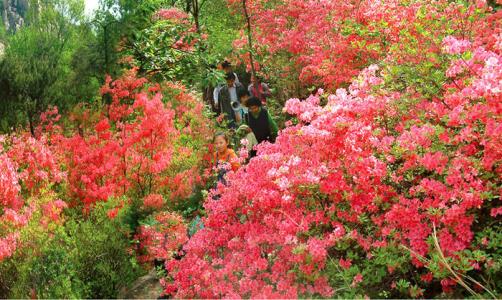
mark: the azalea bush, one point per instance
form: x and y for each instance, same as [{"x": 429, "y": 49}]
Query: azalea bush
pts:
[
  {"x": 303, "y": 44},
  {"x": 176, "y": 46},
  {"x": 387, "y": 188},
  {"x": 140, "y": 145},
  {"x": 162, "y": 237},
  {"x": 30, "y": 171},
  {"x": 30, "y": 207},
  {"x": 154, "y": 152}
]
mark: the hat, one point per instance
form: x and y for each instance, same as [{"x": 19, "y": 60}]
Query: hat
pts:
[{"x": 243, "y": 128}]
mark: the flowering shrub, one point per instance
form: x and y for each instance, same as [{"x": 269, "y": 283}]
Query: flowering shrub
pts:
[
  {"x": 28, "y": 170},
  {"x": 144, "y": 150},
  {"x": 327, "y": 43},
  {"x": 81, "y": 258},
  {"x": 163, "y": 237},
  {"x": 140, "y": 145},
  {"x": 385, "y": 189}
]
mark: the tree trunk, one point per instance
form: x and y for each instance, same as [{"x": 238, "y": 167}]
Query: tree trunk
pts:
[
  {"x": 107, "y": 59},
  {"x": 250, "y": 42}
]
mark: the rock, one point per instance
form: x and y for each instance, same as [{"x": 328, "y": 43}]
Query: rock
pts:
[
  {"x": 146, "y": 287},
  {"x": 13, "y": 13}
]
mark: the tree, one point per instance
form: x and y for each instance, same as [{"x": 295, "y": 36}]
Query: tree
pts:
[
  {"x": 249, "y": 34},
  {"x": 36, "y": 69},
  {"x": 117, "y": 23}
]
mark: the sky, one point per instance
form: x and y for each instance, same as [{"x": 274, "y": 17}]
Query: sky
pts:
[{"x": 90, "y": 6}]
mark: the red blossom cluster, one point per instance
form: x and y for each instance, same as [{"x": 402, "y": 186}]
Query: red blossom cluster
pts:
[
  {"x": 173, "y": 14},
  {"x": 153, "y": 201},
  {"x": 188, "y": 38},
  {"x": 132, "y": 149}
]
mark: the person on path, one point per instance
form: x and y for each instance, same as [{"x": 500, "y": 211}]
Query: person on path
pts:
[
  {"x": 209, "y": 94},
  {"x": 227, "y": 68},
  {"x": 216, "y": 94},
  {"x": 243, "y": 95},
  {"x": 260, "y": 121},
  {"x": 259, "y": 89},
  {"x": 224, "y": 158},
  {"x": 227, "y": 100},
  {"x": 242, "y": 111}
]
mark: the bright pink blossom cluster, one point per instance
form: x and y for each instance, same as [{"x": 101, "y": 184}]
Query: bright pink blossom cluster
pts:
[{"x": 360, "y": 170}]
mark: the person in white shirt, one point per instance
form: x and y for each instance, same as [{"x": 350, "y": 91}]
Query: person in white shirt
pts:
[{"x": 226, "y": 66}]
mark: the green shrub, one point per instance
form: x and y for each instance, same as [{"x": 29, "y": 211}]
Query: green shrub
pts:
[
  {"x": 101, "y": 252},
  {"x": 52, "y": 273},
  {"x": 88, "y": 257}
]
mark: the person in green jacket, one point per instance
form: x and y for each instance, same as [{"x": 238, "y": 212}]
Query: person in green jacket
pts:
[{"x": 260, "y": 121}]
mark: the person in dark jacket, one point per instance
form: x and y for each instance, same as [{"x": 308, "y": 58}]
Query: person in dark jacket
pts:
[
  {"x": 227, "y": 68},
  {"x": 260, "y": 121},
  {"x": 228, "y": 100}
]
